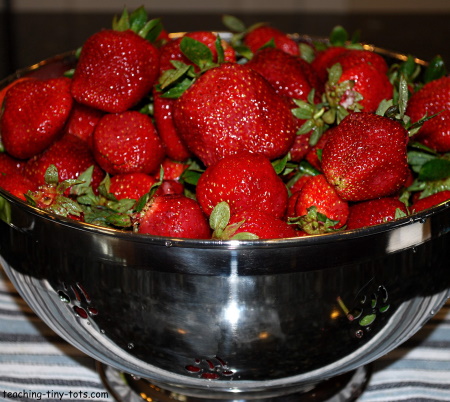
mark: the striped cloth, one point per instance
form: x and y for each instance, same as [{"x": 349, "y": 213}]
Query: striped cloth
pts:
[{"x": 36, "y": 364}]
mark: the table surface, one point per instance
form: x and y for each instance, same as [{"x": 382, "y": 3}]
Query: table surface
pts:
[{"x": 36, "y": 363}]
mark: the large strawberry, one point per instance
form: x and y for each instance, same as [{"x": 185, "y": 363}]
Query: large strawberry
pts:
[
  {"x": 232, "y": 108},
  {"x": 365, "y": 157},
  {"x": 117, "y": 67},
  {"x": 35, "y": 112},
  {"x": 174, "y": 51},
  {"x": 432, "y": 98},
  {"x": 244, "y": 181},
  {"x": 173, "y": 215},
  {"x": 126, "y": 143}
]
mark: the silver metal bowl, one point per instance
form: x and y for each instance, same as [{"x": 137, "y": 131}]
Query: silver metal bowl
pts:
[{"x": 227, "y": 319}]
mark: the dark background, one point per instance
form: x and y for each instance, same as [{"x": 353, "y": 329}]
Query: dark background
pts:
[{"x": 26, "y": 38}]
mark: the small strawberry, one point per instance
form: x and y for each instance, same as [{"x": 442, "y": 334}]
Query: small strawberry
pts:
[
  {"x": 248, "y": 224},
  {"x": 314, "y": 155},
  {"x": 291, "y": 76},
  {"x": 232, "y": 108},
  {"x": 374, "y": 212},
  {"x": 261, "y": 35},
  {"x": 173, "y": 50},
  {"x": 70, "y": 155},
  {"x": 117, "y": 67},
  {"x": 54, "y": 195},
  {"x": 324, "y": 60},
  {"x": 82, "y": 121},
  {"x": 244, "y": 181},
  {"x": 174, "y": 146},
  {"x": 317, "y": 207},
  {"x": 364, "y": 87},
  {"x": 173, "y": 215},
  {"x": 16, "y": 184},
  {"x": 127, "y": 142},
  {"x": 365, "y": 157},
  {"x": 35, "y": 112},
  {"x": 432, "y": 98},
  {"x": 173, "y": 170},
  {"x": 430, "y": 201},
  {"x": 131, "y": 185}
]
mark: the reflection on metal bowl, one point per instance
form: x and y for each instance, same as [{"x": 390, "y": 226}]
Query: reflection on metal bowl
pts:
[{"x": 220, "y": 319}]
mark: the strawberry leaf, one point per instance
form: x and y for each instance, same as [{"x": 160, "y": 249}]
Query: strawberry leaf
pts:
[
  {"x": 151, "y": 30},
  {"x": 338, "y": 36},
  {"x": 51, "y": 175},
  {"x": 435, "y": 169},
  {"x": 197, "y": 52},
  {"x": 219, "y": 218},
  {"x": 220, "y": 50},
  {"x": 244, "y": 236},
  {"x": 138, "y": 19},
  {"x": 121, "y": 23},
  {"x": 436, "y": 69},
  {"x": 233, "y": 23}
]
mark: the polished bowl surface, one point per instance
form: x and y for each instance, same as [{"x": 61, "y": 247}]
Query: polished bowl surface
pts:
[{"x": 261, "y": 317}]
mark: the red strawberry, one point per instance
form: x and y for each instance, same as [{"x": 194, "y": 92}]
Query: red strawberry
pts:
[
  {"x": 82, "y": 121},
  {"x": 318, "y": 194},
  {"x": 432, "y": 98},
  {"x": 261, "y": 224},
  {"x": 263, "y": 34},
  {"x": 171, "y": 50},
  {"x": 131, "y": 185},
  {"x": 374, "y": 212},
  {"x": 230, "y": 109},
  {"x": 323, "y": 60},
  {"x": 174, "y": 146},
  {"x": 371, "y": 84},
  {"x": 8, "y": 164},
  {"x": 313, "y": 154},
  {"x": 16, "y": 184},
  {"x": 290, "y": 75},
  {"x": 7, "y": 87},
  {"x": 35, "y": 111},
  {"x": 427, "y": 202},
  {"x": 172, "y": 169},
  {"x": 365, "y": 157},
  {"x": 127, "y": 143},
  {"x": 70, "y": 155},
  {"x": 116, "y": 69},
  {"x": 244, "y": 181},
  {"x": 173, "y": 215}
]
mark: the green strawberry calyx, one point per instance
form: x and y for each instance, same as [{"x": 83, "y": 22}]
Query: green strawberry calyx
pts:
[
  {"x": 222, "y": 230},
  {"x": 314, "y": 222},
  {"x": 174, "y": 82}
]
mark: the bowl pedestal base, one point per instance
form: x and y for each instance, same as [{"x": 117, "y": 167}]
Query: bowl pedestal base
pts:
[{"x": 126, "y": 388}]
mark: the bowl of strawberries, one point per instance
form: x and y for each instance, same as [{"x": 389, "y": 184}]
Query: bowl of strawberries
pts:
[{"x": 248, "y": 214}]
